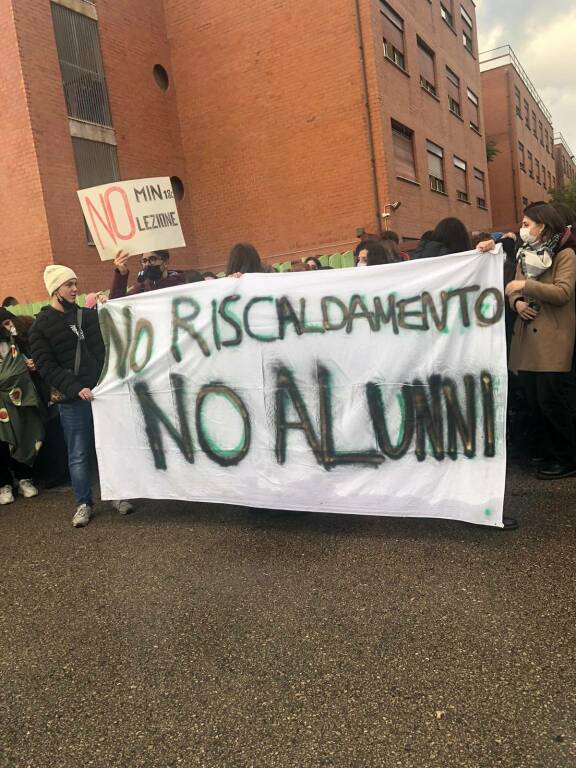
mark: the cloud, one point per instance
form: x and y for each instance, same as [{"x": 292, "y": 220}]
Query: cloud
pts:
[{"x": 537, "y": 34}]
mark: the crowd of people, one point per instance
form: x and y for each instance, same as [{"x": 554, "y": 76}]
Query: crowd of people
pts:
[{"x": 50, "y": 365}]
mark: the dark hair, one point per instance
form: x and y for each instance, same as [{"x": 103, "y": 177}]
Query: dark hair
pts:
[
  {"x": 388, "y": 234},
  {"x": 162, "y": 254},
  {"x": 315, "y": 259},
  {"x": 10, "y": 301},
  {"x": 243, "y": 258},
  {"x": 479, "y": 237},
  {"x": 547, "y": 215},
  {"x": 426, "y": 235},
  {"x": 209, "y": 276},
  {"x": 453, "y": 234},
  {"x": 567, "y": 214},
  {"x": 386, "y": 252},
  {"x": 192, "y": 276},
  {"x": 298, "y": 266},
  {"x": 364, "y": 242}
]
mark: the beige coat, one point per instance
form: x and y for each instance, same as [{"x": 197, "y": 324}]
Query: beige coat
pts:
[{"x": 546, "y": 344}]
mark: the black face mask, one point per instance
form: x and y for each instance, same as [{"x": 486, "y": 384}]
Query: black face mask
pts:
[
  {"x": 152, "y": 272},
  {"x": 66, "y": 305}
]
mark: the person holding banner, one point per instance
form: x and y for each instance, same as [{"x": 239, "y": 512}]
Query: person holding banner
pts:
[
  {"x": 153, "y": 276},
  {"x": 542, "y": 350},
  {"x": 68, "y": 352}
]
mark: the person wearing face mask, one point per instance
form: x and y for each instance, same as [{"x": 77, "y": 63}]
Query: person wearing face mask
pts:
[
  {"x": 153, "y": 276},
  {"x": 68, "y": 352},
  {"x": 21, "y": 427},
  {"x": 542, "y": 349}
]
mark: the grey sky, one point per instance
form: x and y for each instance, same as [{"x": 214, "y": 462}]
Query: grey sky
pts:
[{"x": 543, "y": 36}]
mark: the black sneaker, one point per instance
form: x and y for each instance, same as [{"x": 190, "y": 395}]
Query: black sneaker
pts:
[{"x": 556, "y": 472}]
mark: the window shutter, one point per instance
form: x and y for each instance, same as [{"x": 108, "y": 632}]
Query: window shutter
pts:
[
  {"x": 426, "y": 65},
  {"x": 392, "y": 34},
  {"x": 403, "y": 154}
]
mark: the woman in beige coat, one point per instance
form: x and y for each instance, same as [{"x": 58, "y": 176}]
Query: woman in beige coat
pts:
[{"x": 542, "y": 351}]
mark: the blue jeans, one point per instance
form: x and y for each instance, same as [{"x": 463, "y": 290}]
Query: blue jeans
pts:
[{"x": 76, "y": 420}]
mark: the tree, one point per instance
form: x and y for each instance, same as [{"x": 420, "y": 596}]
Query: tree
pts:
[
  {"x": 491, "y": 150},
  {"x": 565, "y": 194}
]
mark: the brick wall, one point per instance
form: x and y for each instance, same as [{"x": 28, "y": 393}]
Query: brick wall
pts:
[
  {"x": 24, "y": 242},
  {"x": 400, "y": 97},
  {"x": 510, "y": 184},
  {"x": 271, "y": 109},
  {"x": 144, "y": 119}
]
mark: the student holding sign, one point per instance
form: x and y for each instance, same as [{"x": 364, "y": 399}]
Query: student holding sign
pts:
[{"x": 154, "y": 274}]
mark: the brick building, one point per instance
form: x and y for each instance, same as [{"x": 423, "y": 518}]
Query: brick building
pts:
[
  {"x": 564, "y": 162},
  {"x": 292, "y": 126},
  {"x": 520, "y": 125}
]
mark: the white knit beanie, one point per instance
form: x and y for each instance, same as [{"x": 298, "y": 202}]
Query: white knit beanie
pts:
[{"x": 56, "y": 275}]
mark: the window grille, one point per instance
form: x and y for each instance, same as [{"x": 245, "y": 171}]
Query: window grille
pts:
[{"x": 81, "y": 66}]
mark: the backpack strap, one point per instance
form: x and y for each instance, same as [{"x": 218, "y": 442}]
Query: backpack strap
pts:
[{"x": 79, "y": 342}]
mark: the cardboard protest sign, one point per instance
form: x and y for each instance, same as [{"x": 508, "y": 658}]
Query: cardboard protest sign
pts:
[
  {"x": 134, "y": 216},
  {"x": 377, "y": 391}
]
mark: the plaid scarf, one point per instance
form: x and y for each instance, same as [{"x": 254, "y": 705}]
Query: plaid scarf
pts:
[{"x": 536, "y": 258}]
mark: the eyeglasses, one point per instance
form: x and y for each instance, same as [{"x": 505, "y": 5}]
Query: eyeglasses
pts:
[{"x": 145, "y": 260}]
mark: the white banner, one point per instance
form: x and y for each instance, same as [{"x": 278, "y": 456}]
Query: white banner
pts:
[
  {"x": 133, "y": 216},
  {"x": 378, "y": 391}
]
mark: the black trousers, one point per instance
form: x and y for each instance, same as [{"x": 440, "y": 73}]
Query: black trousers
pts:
[
  {"x": 21, "y": 471},
  {"x": 552, "y": 399}
]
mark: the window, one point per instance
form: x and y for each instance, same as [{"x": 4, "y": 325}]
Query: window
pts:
[
  {"x": 518, "y": 102},
  {"x": 544, "y": 175},
  {"x": 522, "y": 158},
  {"x": 447, "y": 12},
  {"x": 527, "y": 114},
  {"x": 551, "y": 182},
  {"x": 546, "y": 139},
  {"x": 461, "y": 179},
  {"x": 427, "y": 68},
  {"x": 435, "y": 166},
  {"x": 393, "y": 35},
  {"x": 474, "y": 109},
  {"x": 403, "y": 142},
  {"x": 530, "y": 165},
  {"x": 81, "y": 66},
  {"x": 538, "y": 171},
  {"x": 467, "y": 31},
  {"x": 534, "y": 125},
  {"x": 480, "y": 188},
  {"x": 96, "y": 163},
  {"x": 453, "y": 92},
  {"x": 541, "y": 132}
]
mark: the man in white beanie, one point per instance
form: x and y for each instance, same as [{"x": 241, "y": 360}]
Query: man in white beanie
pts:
[{"x": 68, "y": 352}]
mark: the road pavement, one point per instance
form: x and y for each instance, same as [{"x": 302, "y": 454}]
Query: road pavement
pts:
[{"x": 222, "y": 637}]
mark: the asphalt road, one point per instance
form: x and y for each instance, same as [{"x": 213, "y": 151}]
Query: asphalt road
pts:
[{"x": 195, "y": 635}]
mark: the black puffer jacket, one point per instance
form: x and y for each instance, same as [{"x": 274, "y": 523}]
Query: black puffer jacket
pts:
[
  {"x": 53, "y": 341},
  {"x": 429, "y": 249}
]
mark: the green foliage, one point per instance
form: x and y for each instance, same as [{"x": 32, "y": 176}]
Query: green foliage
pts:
[
  {"x": 565, "y": 194},
  {"x": 491, "y": 150}
]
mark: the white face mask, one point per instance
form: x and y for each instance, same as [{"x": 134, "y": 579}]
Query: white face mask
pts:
[
  {"x": 361, "y": 264},
  {"x": 527, "y": 237}
]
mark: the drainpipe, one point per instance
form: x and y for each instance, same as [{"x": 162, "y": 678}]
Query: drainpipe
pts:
[
  {"x": 369, "y": 123},
  {"x": 514, "y": 148}
]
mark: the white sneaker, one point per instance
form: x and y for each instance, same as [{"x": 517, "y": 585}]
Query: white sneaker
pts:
[
  {"x": 27, "y": 489},
  {"x": 124, "y": 507},
  {"x": 83, "y": 516},
  {"x": 6, "y": 494}
]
